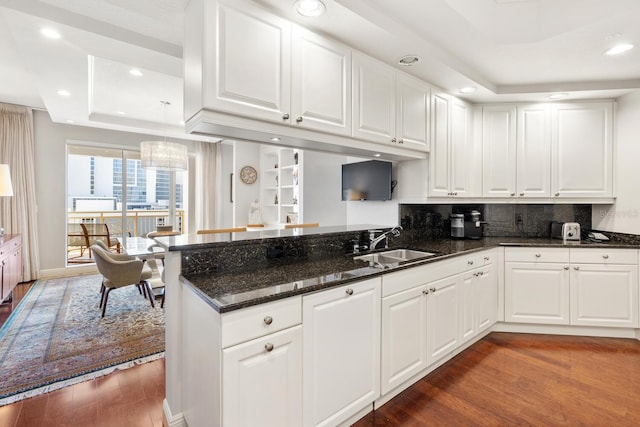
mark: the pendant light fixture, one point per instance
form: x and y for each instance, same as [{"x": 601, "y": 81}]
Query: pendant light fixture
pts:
[{"x": 163, "y": 155}]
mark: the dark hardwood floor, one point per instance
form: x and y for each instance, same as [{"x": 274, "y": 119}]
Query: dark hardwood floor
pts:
[
  {"x": 520, "y": 379},
  {"x": 503, "y": 380}
]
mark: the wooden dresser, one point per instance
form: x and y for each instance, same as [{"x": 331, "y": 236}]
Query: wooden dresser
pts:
[{"x": 10, "y": 263}]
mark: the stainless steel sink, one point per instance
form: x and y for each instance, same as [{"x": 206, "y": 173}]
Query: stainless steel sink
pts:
[{"x": 392, "y": 258}]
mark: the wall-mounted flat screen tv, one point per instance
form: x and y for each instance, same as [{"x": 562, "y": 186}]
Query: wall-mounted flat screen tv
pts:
[{"x": 370, "y": 180}]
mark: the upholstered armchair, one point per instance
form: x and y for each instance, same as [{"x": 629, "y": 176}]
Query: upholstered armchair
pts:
[
  {"x": 117, "y": 274},
  {"x": 146, "y": 270}
]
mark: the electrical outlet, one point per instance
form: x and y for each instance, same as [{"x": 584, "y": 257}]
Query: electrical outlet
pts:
[{"x": 518, "y": 218}]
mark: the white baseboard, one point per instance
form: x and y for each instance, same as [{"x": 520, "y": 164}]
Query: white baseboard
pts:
[
  {"x": 75, "y": 270},
  {"x": 171, "y": 420},
  {"x": 583, "y": 331}
]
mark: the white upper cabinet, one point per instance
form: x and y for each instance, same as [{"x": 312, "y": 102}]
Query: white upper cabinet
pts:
[
  {"x": 582, "y": 150},
  {"x": 533, "y": 167},
  {"x": 499, "y": 151},
  {"x": 321, "y": 83},
  {"x": 250, "y": 79},
  {"x": 374, "y": 100},
  {"x": 412, "y": 107},
  {"x": 451, "y": 149}
]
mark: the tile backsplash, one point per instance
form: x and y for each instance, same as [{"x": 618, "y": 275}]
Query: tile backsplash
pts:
[{"x": 432, "y": 221}]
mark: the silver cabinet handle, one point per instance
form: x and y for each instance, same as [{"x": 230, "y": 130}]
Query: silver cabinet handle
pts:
[
  {"x": 470, "y": 262},
  {"x": 268, "y": 320},
  {"x": 401, "y": 141},
  {"x": 566, "y": 267},
  {"x": 605, "y": 256},
  {"x": 522, "y": 194},
  {"x": 538, "y": 255},
  {"x": 576, "y": 268},
  {"x": 268, "y": 346},
  {"x": 394, "y": 140},
  {"x": 486, "y": 258},
  {"x": 512, "y": 194},
  {"x": 426, "y": 292},
  {"x": 481, "y": 273},
  {"x": 349, "y": 291},
  {"x": 285, "y": 116},
  {"x": 476, "y": 274},
  {"x": 432, "y": 289},
  {"x": 299, "y": 119},
  {"x": 556, "y": 194}
]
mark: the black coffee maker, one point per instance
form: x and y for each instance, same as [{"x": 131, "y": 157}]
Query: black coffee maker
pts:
[{"x": 473, "y": 226}]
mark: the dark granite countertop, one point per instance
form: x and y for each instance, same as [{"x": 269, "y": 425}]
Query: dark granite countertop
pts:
[{"x": 234, "y": 290}]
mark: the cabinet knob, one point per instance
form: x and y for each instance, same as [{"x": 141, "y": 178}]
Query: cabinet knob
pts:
[
  {"x": 566, "y": 267},
  {"x": 285, "y": 116},
  {"x": 432, "y": 289},
  {"x": 556, "y": 194},
  {"x": 299, "y": 119},
  {"x": 426, "y": 292},
  {"x": 401, "y": 141},
  {"x": 538, "y": 255},
  {"x": 268, "y": 346},
  {"x": 394, "y": 140},
  {"x": 576, "y": 268},
  {"x": 349, "y": 291},
  {"x": 455, "y": 194},
  {"x": 476, "y": 274},
  {"x": 470, "y": 262},
  {"x": 480, "y": 273},
  {"x": 605, "y": 256},
  {"x": 512, "y": 194},
  {"x": 522, "y": 194},
  {"x": 486, "y": 258},
  {"x": 268, "y": 320}
]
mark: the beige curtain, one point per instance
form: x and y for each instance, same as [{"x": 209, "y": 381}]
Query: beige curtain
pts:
[
  {"x": 206, "y": 179},
  {"x": 18, "y": 214}
]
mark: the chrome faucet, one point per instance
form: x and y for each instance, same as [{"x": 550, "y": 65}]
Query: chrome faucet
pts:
[{"x": 395, "y": 232}]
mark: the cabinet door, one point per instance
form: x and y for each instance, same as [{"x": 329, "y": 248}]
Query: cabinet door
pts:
[
  {"x": 533, "y": 165},
  {"x": 442, "y": 318},
  {"x": 374, "y": 100},
  {"x": 486, "y": 298},
  {"x": 439, "y": 168},
  {"x": 412, "y": 112},
  {"x": 404, "y": 337},
  {"x": 537, "y": 293},
  {"x": 251, "y": 79},
  {"x": 582, "y": 150},
  {"x": 341, "y": 350},
  {"x": 461, "y": 149},
  {"x": 468, "y": 322},
  {"x": 262, "y": 381},
  {"x": 499, "y": 151},
  {"x": 321, "y": 83},
  {"x": 604, "y": 295}
]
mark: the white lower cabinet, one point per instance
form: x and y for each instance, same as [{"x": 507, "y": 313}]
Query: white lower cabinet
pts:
[
  {"x": 598, "y": 287},
  {"x": 604, "y": 295},
  {"x": 404, "y": 336},
  {"x": 262, "y": 381},
  {"x": 442, "y": 317},
  {"x": 486, "y": 298},
  {"x": 341, "y": 352},
  {"x": 537, "y": 293}
]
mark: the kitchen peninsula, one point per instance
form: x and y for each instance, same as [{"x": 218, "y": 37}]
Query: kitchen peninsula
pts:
[{"x": 245, "y": 310}]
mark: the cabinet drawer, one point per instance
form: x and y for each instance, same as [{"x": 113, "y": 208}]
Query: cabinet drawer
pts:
[
  {"x": 604, "y": 255},
  {"x": 536, "y": 254},
  {"x": 244, "y": 325},
  {"x": 479, "y": 259},
  {"x": 403, "y": 280}
]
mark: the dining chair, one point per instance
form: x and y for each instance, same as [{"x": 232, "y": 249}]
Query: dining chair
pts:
[
  {"x": 223, "y": 230},
  {"x": 306, "y": 225},
  {"x": 146, "y": 270},
  {"x": 118, "y": 274}
]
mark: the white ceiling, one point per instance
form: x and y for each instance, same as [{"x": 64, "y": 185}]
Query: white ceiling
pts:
[{"x": 509, "y": 49}]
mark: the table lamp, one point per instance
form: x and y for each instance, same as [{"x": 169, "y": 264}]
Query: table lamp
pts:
[{"x": 6, "y": 189}]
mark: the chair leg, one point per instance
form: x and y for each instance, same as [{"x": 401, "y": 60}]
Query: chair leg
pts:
[
  {"x": 106, "y": 297},
  {"x": 149, "y": 292},
  {"x": 162, "y": 303}
]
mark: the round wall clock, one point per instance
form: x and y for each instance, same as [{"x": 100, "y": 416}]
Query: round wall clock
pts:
[{"x": 248, "y": 175}]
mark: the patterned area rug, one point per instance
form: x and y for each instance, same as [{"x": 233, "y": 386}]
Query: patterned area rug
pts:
[{"x": 56, "y": 336}]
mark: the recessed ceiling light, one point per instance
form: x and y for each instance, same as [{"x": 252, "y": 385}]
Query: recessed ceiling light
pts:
[
  {"x": 467, "y": 89},
  {"x": 310, "y": 7},
  {"x": 122, "y": 113},
  {"x": 275, "y": 139},
  {"x": 376, "y": 155},
  {"x": 558, "y": 95},
  {"x": 50, "y": 33},
  {"x": 409, "y": 60},
  {"x": 619, "y": 48},
  {"x": 135, "y": 72},
  {"x": 63, "y": 92}
]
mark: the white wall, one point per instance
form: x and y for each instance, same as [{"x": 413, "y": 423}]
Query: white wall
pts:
[
  {"x": 225, "y": 219},
  {"x": 50, "y": 161},
  {"x": 245, "y": 154},
  {"x": 624, "y": 215}
]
